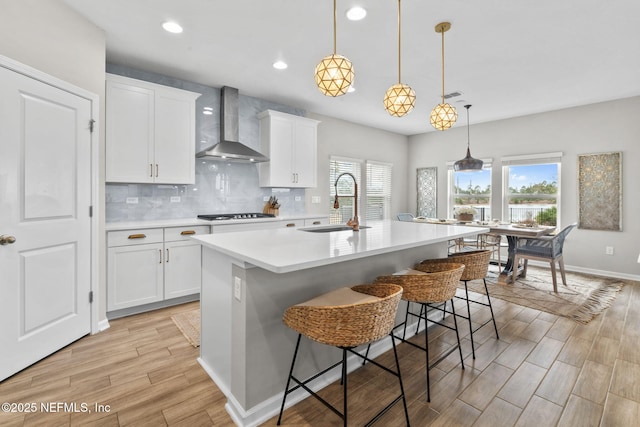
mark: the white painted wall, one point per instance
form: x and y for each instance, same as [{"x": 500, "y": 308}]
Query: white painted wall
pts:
[
  {"x": 51, "y": 37},
  {"x": 596, "y": 128},
  {"x": 341, "y": 138}
]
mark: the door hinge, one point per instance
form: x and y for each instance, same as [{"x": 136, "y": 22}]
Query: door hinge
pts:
[
  {"x": 90, "y": 211},
  {"x": 91, "y": 122},
  {"x": 90, "y": 297}
]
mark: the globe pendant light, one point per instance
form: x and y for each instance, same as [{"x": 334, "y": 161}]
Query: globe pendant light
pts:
[
  {"x": 468, "y": 163},
  {"x": 443, "y": 115},
  {"x": 334, "y": 74},
  {"x": 399, "y": 98}
]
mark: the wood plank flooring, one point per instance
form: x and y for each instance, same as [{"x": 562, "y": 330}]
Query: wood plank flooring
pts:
[{"x": 544, "y": 370}]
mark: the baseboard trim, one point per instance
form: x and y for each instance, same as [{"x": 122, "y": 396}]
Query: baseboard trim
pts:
[{"x": 592, "y": 271}]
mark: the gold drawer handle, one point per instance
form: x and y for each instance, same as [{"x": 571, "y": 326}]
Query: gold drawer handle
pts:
[
  {"x": 187, "y": 232},
  {"x": 137, "y": 236},
  {"x": 291, "y": 224},
  {"x": 317, "y": 222}
]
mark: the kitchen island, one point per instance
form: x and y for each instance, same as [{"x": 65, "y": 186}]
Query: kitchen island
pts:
[{"x": 250, "y": 278}]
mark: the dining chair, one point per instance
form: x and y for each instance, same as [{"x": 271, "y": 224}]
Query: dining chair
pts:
[
  {"x": 405, "y": 217},
  {"x": 545, "y": 248},
  {"x": 492, "y": 242}
]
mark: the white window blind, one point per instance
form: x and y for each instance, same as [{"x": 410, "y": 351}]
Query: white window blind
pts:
[
  {"x": 378, "y": 191},
  {"x": 338, "y": 166}
]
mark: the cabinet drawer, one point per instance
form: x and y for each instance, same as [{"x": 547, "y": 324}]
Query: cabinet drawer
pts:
[
  {"x": 134, "y": 237},
  {"x": 174, "y": 234}
]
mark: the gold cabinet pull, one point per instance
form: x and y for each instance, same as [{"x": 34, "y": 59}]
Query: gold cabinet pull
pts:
[
  {"x": 167, "y": 255},
  {"x": 157, "y": 170},
  {"x": 150, "y": 170},
  {"x": 137, "y": 236},
  {"x": 317, "y": 222},
  {"x": 187, "y": 232},
  {"x": 291, "y": 224},
  {"x": 160, "y": 251}
]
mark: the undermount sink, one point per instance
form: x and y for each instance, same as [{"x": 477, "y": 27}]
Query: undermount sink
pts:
[{"x": 330, "y": 229}]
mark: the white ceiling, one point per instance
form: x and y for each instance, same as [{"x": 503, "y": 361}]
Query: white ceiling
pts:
[{"x": 509, "y": 58}]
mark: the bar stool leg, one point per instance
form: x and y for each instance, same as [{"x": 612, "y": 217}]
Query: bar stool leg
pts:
[
  {"x": 344, "y": 385},
  {"x": 466, "y": 291},
  {"x": 404, "y": 400},
  {"x": 455, "y": 325},
  {"x": 286, "y": 389},
  {"x": 486, "y": 289},
  {"x": 426, "y": 352}
]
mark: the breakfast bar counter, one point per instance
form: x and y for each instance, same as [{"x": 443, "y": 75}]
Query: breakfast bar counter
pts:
[{"x": 249, "y": 278}]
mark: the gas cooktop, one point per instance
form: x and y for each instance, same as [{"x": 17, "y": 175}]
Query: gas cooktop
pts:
[{"x": 222, "y": 217}]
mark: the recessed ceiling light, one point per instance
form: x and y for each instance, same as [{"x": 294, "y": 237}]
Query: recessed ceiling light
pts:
[
  {"x": 172, "y": 27},
  {"x": 356, "y": 13},
  {"x": 280, "y": 65}
]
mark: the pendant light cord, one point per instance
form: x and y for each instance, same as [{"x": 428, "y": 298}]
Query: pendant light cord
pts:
[
  {"x": 335, "y": 20},
  {"x": 442, "y": 31},
  {"x": 468, "y": 134},
  {"x": 399, "y": 44}
]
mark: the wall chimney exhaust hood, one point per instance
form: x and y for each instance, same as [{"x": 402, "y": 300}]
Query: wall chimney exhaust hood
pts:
[{"x": 229, "y": 148}]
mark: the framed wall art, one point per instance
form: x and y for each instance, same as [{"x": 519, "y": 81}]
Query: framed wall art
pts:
[
  {"x": 600, "y": 191},
  {"x": 427, "y": 180}
]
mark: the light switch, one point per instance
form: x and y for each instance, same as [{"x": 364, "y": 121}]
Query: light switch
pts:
[
  {"x": 315, "y": 199},
  {"x": 237, "y": 288}
]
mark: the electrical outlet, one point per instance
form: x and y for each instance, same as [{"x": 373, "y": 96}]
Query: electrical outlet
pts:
[
  {"x": 175, "y": 199},
  {"x": 237, "y": 288},
  {"x": 608, "y": 250},
  {"x": 297, "y": 198},
  {"x": 315, "y": 199},
  {"x": 132, "y": 200}
]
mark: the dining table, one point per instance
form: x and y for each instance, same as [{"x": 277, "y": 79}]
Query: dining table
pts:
[{"x": 512, "y": 231}]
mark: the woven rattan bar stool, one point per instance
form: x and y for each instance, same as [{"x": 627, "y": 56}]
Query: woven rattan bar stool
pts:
[
  {"x": 476, "y": 266},
  {"x": 434, "y": 285},
  {"x": 346, "y": 318}
]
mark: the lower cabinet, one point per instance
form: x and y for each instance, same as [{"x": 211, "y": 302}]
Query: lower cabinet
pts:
[{"x": 151, "y": 265}]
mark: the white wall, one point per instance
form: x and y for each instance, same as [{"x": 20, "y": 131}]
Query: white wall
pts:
[
  {"x": 53, "y": 38},
  {"x": 596, "y": 128},
  {"x": 341, "y": 138}
]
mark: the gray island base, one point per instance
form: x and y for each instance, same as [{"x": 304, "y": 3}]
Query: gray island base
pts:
[{"x": 250, "y": 278}]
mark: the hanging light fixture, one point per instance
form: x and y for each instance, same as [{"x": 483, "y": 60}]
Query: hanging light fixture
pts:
[
  {"x": 468, "y": 163},
  {"x": 334, "y": 74},
  {"x": 443, "y": 115},
  {"x": 399, "y": 98}
]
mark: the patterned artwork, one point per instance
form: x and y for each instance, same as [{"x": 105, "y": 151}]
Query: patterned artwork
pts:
[
  {"x": 600, "y": 191},
  {"x": 427, "y": 192}
]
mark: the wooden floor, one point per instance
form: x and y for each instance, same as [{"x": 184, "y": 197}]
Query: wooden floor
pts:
[{"x": 543, "y": 371}]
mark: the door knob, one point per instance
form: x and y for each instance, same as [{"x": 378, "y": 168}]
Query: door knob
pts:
[{"x": 6, "y": 240}]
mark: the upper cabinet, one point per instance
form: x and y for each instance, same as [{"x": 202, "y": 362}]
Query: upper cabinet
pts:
[
  {"x": 290, "y": 142},
  {"x": 150, "y": 132}
]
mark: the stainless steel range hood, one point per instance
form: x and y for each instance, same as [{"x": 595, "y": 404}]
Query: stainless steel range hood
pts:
[{"x": 229, "y": 148}]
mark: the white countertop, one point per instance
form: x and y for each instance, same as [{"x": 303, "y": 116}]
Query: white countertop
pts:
[
  {"x": 285, "y": 250},
  {"x": 186, "y": 222}
]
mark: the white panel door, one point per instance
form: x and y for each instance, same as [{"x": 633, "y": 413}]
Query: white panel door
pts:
[{"x": 45, "y": 194}]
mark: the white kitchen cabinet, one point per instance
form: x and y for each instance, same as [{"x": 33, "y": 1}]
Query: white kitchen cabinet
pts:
[
  {"x": 151, "y": 265},
  {"x": 150, "y": 132},
  {"x": 290, "y": 142},
  {"x": 135, "y": 268}
]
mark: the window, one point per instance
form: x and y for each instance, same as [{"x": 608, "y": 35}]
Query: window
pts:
[
  {"x": 374, "y": 188},
  {"x": 471, "y": 189},
  {"x": 531, "y": 188},
  {"x": 378, "y": 194}
]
